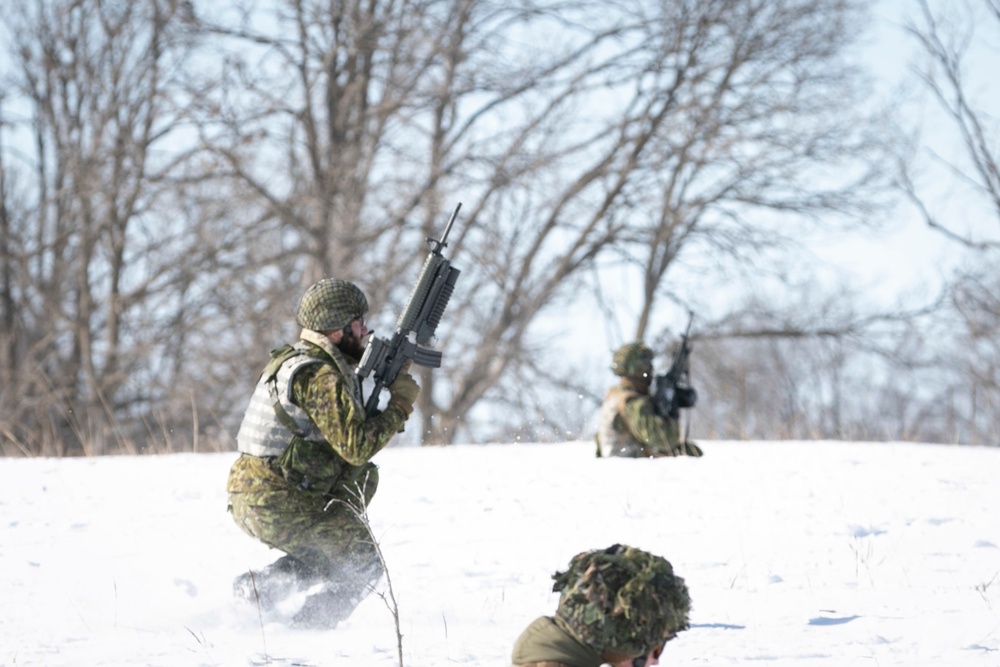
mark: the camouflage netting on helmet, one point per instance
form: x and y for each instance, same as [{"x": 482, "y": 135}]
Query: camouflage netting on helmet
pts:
[
  {"x": 330, "y": 304},
  {"x": 622, "y": 600},
  {"x": 632, "y": 360}
]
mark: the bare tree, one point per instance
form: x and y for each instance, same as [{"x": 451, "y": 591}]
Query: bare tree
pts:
[
  {"x": 767, "y": 136},
  {"x": 570, "y": 131},
  {"x": 8, "y": 291},
  {"x": 390, "y": 107},
  {"x": 973, "y": 366},
  {"x": 949, "y": 37},
  {"x": 178, "y": 206},
  {"x": 95, "y": 254},
  {"x": 727, "y": 128},
  {"x": 826, "y": 367},
  {"x": 305, "y": 112},
  {"x": 339, "y": 120},
  {"x": 945, "y": 42}
]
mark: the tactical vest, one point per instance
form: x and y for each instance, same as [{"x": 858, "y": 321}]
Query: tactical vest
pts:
[
  {"x": 612, "y": 433},
  {"x": 272, "y": 419}
]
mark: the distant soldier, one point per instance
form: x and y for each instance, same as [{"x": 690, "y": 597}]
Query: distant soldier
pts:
[
  {"x": 618, "y": 606},
  {"x": 629, "y": 424},
  {"x": 305, "y": 448}
]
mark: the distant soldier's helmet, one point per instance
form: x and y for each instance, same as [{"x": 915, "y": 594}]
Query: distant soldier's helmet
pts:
[
  {"x": 632, "y": 360},
  {"x": 330, "y": 304},
  {"x": 622, "y": 601}
]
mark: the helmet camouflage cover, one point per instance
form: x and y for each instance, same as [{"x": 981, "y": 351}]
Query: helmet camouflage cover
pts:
[
  {"x": 622, "y": 600},
  {"x": 632, "y": 360},
  {"x": 330, "y": 304}
]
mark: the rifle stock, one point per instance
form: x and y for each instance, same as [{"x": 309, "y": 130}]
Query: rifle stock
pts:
[{"x": 385, "y": 359}]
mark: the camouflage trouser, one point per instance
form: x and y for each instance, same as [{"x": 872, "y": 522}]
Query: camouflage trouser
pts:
[
  {"x": 631, "y": 450},
  {"x": 322, "y": 532}
]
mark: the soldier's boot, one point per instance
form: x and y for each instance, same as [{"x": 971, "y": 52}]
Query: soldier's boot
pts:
[
  {"x": 338, "y": 598},
  {"x": 691, "y": 449},
  {"x": 274, "y": 583},
  {"x": 325, "y": 609}
]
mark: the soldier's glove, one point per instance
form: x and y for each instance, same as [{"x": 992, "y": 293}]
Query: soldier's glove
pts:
[{"x": 403, "y": 392}]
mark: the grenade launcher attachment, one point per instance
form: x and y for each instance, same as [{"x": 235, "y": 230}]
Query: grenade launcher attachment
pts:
[{"x": 385, "y": 359}]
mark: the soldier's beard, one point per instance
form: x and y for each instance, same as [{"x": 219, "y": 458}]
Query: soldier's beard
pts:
[
  {"x": 640, "y": 384},
  {"x": 352, "y": 346}
]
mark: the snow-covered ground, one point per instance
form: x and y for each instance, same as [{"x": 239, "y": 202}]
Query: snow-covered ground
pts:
[{"x": 800, "y": 553}]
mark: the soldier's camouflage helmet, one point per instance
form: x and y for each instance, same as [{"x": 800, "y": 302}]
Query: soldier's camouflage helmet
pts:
[
  {"x": 632, "y": 360},
  {"x": 622, "y": 601},
  {"x": 330, "y": 304}
]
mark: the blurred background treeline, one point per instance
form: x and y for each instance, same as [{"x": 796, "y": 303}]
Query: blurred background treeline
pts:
[{"x": 173, "y": 174}]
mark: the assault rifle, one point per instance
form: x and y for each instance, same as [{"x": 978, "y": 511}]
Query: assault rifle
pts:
[
  {"x": 385, "y": 359},
  {"x": 672, "y": 390}
]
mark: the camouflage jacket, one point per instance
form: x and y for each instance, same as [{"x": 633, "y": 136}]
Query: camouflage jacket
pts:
[
  {"x": 327, "y": 392},
  {"x": 547, "y": 641},
  {"x": 629, "y": 426}
]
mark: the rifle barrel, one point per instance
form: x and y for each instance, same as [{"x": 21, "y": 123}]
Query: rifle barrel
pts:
[{"x": 443, "y": 243}]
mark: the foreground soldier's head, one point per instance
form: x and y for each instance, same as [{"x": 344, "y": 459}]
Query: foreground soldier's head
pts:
[{"x": 623, "y": 602}]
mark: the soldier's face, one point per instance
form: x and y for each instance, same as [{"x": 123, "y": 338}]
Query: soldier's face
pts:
[
  {"x": 355, "y": 338},
  {"x": 642, "y": 381},
  {"x": 359, "y": 329},
  {"x": 651, "y": 658}
]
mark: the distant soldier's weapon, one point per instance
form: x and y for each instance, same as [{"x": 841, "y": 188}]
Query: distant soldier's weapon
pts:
[
  {"x": 385, "y": 359},
  {"x": 672, "y": 390}
]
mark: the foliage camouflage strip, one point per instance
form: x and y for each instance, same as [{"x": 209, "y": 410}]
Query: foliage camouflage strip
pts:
[{"x": 622, "y": 600}]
